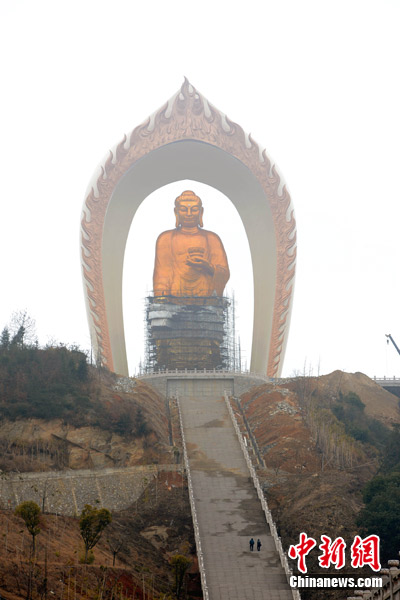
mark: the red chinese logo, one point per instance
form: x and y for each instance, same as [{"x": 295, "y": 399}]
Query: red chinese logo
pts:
[
  {"x": 365, "y": 552},
  {"x": 332, "y": 552},
  {"x": 301, "y": 550}
]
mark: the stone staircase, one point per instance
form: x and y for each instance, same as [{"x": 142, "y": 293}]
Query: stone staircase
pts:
[{"x": 227, "y": 509}]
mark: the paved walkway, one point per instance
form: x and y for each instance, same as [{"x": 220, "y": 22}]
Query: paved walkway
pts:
[{"x": 228, "y": 510}]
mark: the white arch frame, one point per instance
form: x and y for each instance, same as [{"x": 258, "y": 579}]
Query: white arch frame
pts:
[{"x": 189, "y": 139}]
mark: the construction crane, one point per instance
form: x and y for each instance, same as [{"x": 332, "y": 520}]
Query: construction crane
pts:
[{"x": 389, "y": 337}]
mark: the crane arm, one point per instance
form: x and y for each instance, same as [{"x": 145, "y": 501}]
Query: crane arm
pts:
[{"x": 393, "y": 342}]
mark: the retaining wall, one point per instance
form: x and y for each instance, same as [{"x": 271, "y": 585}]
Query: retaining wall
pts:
[
  {"x": 242, "y": 382},
  {"x": 66, "y": 492}
]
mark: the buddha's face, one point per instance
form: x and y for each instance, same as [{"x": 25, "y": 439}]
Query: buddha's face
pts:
[{"x": 189, "y": 213}]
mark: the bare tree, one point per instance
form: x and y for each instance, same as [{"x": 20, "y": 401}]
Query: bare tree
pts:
[
  {"x": 23, "y": 329},
  {"x": 115, "y": 547}
]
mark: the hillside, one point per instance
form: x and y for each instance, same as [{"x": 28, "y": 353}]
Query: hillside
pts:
[
  {"x": 379, "y": 403},
  {"x": 325, "y": 445},
  {"x": 59, "y": 414},
  {"x": 322, "y": 440},
  {"x": 145, "y": 536}
]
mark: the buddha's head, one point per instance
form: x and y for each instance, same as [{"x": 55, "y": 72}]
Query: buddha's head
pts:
[{"x": 188, "y": 210}]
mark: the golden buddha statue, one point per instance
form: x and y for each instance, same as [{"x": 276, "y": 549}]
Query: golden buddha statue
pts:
[{"x": 190, "y": 261}]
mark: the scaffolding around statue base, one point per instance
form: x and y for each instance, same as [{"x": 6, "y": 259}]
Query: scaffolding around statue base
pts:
[{"x": 189, "y": 332}]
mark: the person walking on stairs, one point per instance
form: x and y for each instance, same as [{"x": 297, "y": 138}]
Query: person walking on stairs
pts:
[
  {"x": 251, "y": 544},
  {"x": 259, "y": 545}
]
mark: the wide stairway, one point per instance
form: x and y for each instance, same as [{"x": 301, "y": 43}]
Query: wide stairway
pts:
[{"x": 228, "y": 510}]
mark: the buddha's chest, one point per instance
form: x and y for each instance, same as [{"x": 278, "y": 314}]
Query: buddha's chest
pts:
[{"x": 184, "y": 246}]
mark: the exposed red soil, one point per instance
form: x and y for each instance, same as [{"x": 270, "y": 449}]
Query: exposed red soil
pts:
[
  {"x": 304, "y": 492},
  {"x": 379, "y": 403},
  {"x": 151, "y": 531}
]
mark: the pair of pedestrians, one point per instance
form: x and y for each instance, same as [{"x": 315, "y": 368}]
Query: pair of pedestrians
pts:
[{"x": 252, "y": 545}]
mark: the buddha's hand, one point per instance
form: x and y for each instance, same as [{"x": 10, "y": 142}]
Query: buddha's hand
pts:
[{"x": 201, "y": 264}]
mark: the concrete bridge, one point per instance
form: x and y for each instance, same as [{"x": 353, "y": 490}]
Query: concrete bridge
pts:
[
  {"x": 391, "y": 384},
  {"x": 388, "y": 381}
]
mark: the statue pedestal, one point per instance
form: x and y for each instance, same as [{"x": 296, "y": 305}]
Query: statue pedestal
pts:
[{"x": 187, "y": 333}]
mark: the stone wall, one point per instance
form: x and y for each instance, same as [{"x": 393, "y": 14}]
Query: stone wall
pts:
[
  {"x": 242, "y": 382},
  {"x": 66, "y": 492}
]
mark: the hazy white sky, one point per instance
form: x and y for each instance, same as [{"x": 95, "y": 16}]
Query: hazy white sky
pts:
[{"x": 315, "y": 82}]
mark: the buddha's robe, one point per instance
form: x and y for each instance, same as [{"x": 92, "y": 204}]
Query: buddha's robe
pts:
[{"x": 172, "y": 276}]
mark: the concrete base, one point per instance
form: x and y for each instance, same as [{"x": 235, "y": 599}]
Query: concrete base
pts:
[{"x": 203, "y": 383}]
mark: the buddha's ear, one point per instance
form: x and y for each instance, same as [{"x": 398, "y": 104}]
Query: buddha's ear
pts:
[
  {"x": 176, "y": 217},
  {"x": 201, "y": 217}
]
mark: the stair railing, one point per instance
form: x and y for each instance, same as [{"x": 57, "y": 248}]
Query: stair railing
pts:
[
  {"x": 260, "y": 494},
  {"x": 200, "y": 555}
]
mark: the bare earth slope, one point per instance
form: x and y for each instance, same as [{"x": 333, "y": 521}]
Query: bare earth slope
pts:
[
  {"x": 379, "y": 403},
  {"x": 314, "y": 472},
  {"x": 145, "y": 536},
  {"x": 101, "y": 436}
]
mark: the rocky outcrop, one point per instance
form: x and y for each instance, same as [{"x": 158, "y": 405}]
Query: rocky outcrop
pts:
[
  {"x": 130, "y": 427},
  {"x": 38, "y": 445}
]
